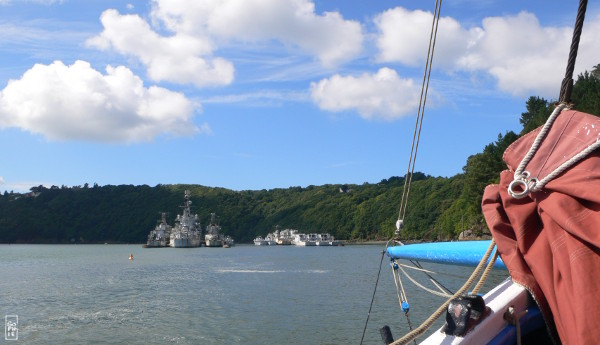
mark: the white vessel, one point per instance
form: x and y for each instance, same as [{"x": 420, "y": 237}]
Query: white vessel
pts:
[
  {"x": 228, "y": 242},
  {"x": 270, "y": 240},
  {"x": 302, "y": 240},
  {"x": 324, "y": 239},
  {"x": 159, "y": 237},
  {"x": 186, "y": 232},
  {"x": 259, "y": 241},
  {"x": 213, "y": 237},
  {"x": 311, "y": 240},
  {"x": 284, "y": 237}
]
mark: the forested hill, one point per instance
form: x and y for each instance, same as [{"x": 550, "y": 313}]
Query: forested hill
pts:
[{"x": 438, "y": 207}]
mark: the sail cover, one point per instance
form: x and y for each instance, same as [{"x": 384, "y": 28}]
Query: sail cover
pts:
[{"x": 550, "y": 239}]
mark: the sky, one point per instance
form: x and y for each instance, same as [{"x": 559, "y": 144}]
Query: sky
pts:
[{"x": 263, "y": 94}]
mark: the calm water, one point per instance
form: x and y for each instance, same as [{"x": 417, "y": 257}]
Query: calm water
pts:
[{"x": 75, "y": 294}]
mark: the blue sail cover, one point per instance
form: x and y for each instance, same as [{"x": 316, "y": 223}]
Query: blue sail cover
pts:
[{"x": 464, "y": 253}]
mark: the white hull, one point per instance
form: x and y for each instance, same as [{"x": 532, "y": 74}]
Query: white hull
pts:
[
  {"x": 214, "y": 243},
  {"x": 184, "y": 243},
  {"x": 498, "y": 300},
  {"x": 157, "y": 243}
]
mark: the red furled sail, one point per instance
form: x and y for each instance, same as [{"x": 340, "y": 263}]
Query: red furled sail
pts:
[{"x": 550, "y": 239}]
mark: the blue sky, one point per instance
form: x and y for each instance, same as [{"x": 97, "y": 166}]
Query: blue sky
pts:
[{"x": 261, "y": 94}]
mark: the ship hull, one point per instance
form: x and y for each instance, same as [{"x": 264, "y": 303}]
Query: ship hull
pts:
[{"x": 184, "y": 243}]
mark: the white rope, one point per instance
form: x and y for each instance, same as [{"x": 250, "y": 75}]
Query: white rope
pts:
[
  {"x": 565, "y": 166},
  {"x": 522, "y": 178},
  {"x": 433, "y": 292},
  {"x": 439, "y": 286},
  {"x": 431, "y": 320},
  {"x": 399, "y": 287},
  {"x": 416, "y": 268},
  {"x": 538, "y": 140}
]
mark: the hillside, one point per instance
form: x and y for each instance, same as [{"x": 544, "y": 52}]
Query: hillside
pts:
[{"x": 438, "y": 208}]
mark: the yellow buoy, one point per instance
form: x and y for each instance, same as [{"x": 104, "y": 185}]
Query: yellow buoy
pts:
[{"x": 130, "y": 256}]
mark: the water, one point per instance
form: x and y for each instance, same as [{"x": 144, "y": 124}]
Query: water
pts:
[{"x": 75, "y": 294}]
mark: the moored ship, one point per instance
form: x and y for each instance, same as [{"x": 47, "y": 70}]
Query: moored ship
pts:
[
  {"x": 213, "y": 237},
  {"x": 259, "y": 241},
  {"x": 270, "y": 240},
  {"x": 159, "y": 236},
  {"x": 187, "y": 231}
]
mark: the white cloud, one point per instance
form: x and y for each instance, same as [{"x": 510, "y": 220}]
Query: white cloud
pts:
[
  {"x": 523, "y": 56},
  {"x": 77, "y": 102},
  {"x": 404, "y": 37},
  {"x": 329, "y": 37},
  {"x": 199, "y": 28},
  {"x": 180, "y": 58},
  {"x": 381, "y": 95}
]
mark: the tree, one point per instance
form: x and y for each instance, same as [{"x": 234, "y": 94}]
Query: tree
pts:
[
  {"x": 538, "y": 111},
  {"x": 596, "y": 71},
  {"x": 586, "y": 92}
]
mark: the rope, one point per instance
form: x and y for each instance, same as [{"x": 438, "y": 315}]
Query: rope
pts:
[
  {"x": 530, "y": 185},
  {"x": 538, "y": 140},
  {"x": 419, "y": 118},
  {"x": 416, "y": 268},
  {"x": 401, "y": 293},
  {"x": 399, "y": 287},
  {"x": 433, "y": 292},
  {"x": 431, "y": 320},
  {"x": 567, "y": 83},
  {"x": 372, "y": 299},
  {"x": 521, "y": 177},
  {"x": 433, "y": 280},
  {"x": 485, "y": 274}
]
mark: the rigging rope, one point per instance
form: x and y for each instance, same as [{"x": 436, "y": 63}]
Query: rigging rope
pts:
[
  {"x": 433, "y": 292},
  {"x": 522, "y": 185},
  {"x": 419, "y": 118},
  {"x": 433, "y": 280},
  {"x": 402, "y": 299},
  {"x": 372, "y": 298},
  {"x": 567, "y": 83},
  {"x": 431, "y": 320}
]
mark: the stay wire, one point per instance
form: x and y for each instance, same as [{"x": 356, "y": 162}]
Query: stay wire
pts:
[
  {"x": 420, "y": 112},
  {"x": 372, "y": 298},
  {"x": 567, "y": 83}
]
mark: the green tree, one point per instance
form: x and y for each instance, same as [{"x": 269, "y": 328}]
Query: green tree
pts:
[
  {"x": 538, "y": 111},
  {"x": 586, "y": 92}
]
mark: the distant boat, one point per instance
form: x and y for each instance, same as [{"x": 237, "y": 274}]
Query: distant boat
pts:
[
  {"x": 214, "y": 237},
  {"x": 304, "y": 240},
  {"x": 228, "y": 242},
  {"x": 187, "y": 231},
  {"x": 159, "y": 236},
  {"x": 284, "y": 237},
  {"x": 270, "y": 240},
  {"x": 259, "y": 241}
]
